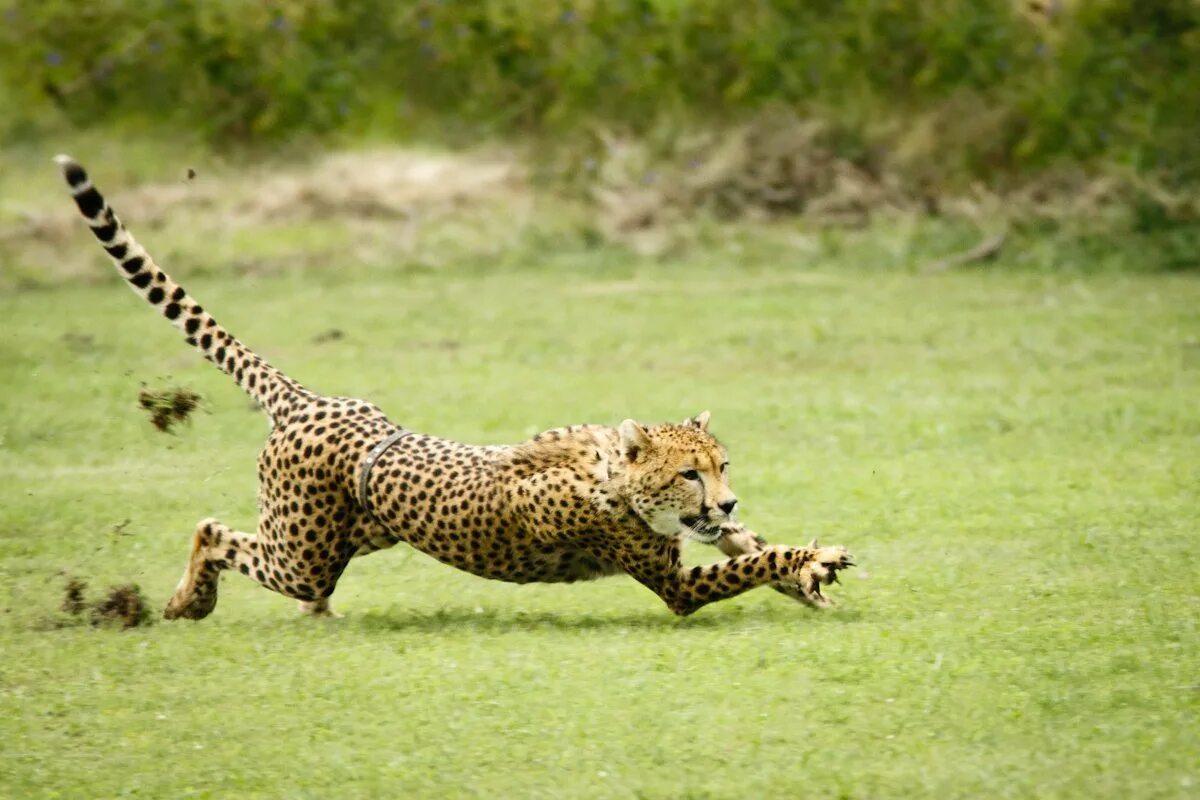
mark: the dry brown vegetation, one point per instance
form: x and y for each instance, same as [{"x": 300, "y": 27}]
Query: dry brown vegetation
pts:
[{"x": 400, "y": 206}]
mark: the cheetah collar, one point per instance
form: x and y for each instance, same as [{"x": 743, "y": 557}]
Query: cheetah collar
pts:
[{"x": 372, "y": 457}]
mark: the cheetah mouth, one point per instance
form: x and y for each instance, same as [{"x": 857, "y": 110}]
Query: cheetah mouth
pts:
[{"x": 700, "y": 528}]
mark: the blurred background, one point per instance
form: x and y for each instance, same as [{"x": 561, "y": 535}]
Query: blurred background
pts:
[{"x": 650, "y": 124}]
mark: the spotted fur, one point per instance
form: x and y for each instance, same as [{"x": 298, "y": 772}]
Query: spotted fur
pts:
[{"x": 571, "y": 504}]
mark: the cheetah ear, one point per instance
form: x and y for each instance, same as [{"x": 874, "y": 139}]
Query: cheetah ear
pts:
[
  {"x": 634, "y": 439},
  {"x": 699, "y": 421}
]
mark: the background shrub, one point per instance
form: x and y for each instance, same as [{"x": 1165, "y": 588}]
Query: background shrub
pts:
[{"x": 953, "y": 90}]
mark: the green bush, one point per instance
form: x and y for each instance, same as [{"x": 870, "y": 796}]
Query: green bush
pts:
[{"x": 965, "y": 88}]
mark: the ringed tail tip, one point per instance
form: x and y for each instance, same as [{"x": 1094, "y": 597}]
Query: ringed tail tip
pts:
[{"x": 74, "y": 174}]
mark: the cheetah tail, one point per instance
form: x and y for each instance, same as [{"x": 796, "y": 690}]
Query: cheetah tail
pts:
[{"x": 271, "y": 389}]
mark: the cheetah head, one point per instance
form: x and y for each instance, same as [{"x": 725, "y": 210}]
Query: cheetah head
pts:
[{"x": 676, "y": 478}]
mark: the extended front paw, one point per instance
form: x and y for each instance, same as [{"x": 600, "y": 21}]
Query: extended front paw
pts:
[{"x": 821, "y": 567}]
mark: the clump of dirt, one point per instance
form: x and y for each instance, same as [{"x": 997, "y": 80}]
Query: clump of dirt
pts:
[
  {"x": 168, "y": 407},
  {"x": 73, "y": 596},
  {"x": 123, "y": 604}
]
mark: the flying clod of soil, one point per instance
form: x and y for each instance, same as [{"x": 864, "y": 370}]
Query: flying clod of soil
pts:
[
  {"x": 168, "y": 407},
  {"x": 123, "y": 604}
]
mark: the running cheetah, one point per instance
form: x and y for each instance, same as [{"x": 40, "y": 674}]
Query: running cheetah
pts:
[{"x": 338, "y": 479}]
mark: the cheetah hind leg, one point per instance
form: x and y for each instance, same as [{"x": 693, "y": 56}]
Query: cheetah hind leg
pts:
[
  {"x": 214, "y": 547},
  {"x": 370, "y": 537}
]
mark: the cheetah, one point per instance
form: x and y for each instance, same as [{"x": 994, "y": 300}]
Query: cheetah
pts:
[{"x": 338, "y": 479}]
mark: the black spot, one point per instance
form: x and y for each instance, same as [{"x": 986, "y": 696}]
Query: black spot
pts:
[
  {"x": 90, "y": 202},
  {"x": 197, "y": 310},
  {"x": 192, "y": 325},
  {"x": 206, "y": 341},
  {"x": 74, "y": 174},
  {"x": 141, "y": 280},
  {"x": 178, "y": 293},
  {"x": 171, "y": 311},
  {"x": 155, "y": 295},
  {"x": 219, "y": 355},
  {"x": 105, "y": 233},
  {"x": 116, "y": 250},
  {"x": 134, "y": 265}
]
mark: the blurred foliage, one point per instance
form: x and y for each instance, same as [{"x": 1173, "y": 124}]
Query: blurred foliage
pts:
[{"x": 956, "y": 89}]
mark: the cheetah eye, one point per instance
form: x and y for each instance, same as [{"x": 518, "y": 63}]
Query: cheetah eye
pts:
[{"x": 690, "y": 475}]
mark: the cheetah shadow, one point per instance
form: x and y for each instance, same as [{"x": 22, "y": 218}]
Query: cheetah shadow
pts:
[{"x": 491, "y": 621}]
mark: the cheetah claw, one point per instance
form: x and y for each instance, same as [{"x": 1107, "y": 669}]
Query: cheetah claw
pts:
[{"x": 822, "y": 568}]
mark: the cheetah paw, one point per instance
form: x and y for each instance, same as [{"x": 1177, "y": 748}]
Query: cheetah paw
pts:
[
  {"x": 821, "y": 568},
  {"x": 197, "y": 606}
]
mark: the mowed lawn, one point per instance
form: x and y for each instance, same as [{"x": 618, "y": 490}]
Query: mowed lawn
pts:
[{"x": 1013, "y": 458}]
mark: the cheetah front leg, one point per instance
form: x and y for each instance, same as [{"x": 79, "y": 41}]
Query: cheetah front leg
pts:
[
  {"x": 736, "y": 540},
  {"x": 685, "y": 590}
]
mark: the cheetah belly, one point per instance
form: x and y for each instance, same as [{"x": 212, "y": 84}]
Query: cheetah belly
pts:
[
  {"x": 448, "y": 500},
  {"x": 503, "y": 553}
]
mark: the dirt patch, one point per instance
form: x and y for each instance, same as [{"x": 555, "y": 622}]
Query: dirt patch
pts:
[
  {"x": 386, "y": 183},
  {"x": 123, "y": 605},
  {"x": 73, "y": 596},
  {"x": 379, "y": 206},
  {"x": 169, "y": 407},
  {"x": 391, "y": 184}
]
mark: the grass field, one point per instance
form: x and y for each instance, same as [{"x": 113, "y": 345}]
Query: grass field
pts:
[{"x": 1012, "y": 456}]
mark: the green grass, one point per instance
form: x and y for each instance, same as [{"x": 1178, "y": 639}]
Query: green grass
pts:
[{"x": 1012, "y": 457}]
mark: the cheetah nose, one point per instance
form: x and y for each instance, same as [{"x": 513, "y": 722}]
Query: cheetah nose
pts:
[{"x": 728, "y": 506}]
